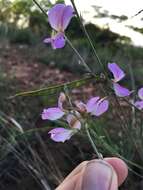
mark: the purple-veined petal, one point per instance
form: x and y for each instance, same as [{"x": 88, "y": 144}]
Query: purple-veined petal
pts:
[
  {"x": 58, "y": 41},
  {"x": 59, "y": 16},
  {"x": 73, "y": 121},
  {"x": 139, "y": 104},
  {"x": 117, "y": 72},
  {"x": 60, "y": 134},
  {"x": 101, "y": 106},
  {"x": 52, "y": 113},
  {"x": 91, "y": 104},
  {"x": 140, "y": 93},
  {"x": 81, "y": 106},
  {"x": 61, "y": 100},
  {"x": 120, "y": 90}
]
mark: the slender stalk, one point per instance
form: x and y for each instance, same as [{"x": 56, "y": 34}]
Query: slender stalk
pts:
[
  {"x": 88, "y": 37},
  {"x": 99, "y": 155},
  {"x": 80, "y": 57},
  {"x": 38, "y": 5}
]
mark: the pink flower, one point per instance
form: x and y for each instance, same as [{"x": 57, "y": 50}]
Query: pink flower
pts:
[
  {"x": 61, "y": 134},
  {"x": 95, "y": 106},
  {"x": 139, "y": 103},
  {"x": 59, "y": 18},
  {"x": 118, "y": 74},
  {"x": 120, "y": 90},
  {"x": 52, "y": 114},
  {"x": 140, "y": 93},
  {"x": 57, "y": 41},
  {"x": 55, "y": 112}
]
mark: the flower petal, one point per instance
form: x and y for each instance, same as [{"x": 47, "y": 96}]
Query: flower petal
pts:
[
  {"x": 73, "y": 121},
  {"x": 91, "y": 104},
  {"x": 117, "y": 72},
  {"x": 67, "y": 15},
  {"x": 120, "y": 90},
  {"x": 58, "y": 41},
  {"x": 59, "y": 17},
  {"x": 101, "y": 106},
  {"x": 52, "y": 113},
  {"x": 61, "y": 100},
  {"x": 140, "y": 93},
  {"x": 60, "y": 134},
  {"x": 139, "y": 104}
]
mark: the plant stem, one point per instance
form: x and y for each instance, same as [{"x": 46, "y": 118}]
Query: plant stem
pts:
[
  {"x": 38, "y": 5},
  {"x": 80, "y": 57},
  {"x": 88, "y": 37},
  {"x": 99, "y": 155}
]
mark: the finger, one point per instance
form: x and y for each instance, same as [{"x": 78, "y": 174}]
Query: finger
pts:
[
  {"x": 72, "y": 176},
  {"x": 120, "y": 167},
  {"x": 70, "y": 184},
  {"x": 98, "y": 174}
]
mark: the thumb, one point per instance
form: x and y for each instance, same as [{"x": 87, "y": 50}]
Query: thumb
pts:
[{"x": 100, "y": 175}]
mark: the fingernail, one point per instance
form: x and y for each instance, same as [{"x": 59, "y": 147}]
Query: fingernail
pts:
[{"x": 99, "y": 175}]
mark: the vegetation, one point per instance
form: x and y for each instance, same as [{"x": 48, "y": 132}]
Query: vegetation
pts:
[{"x": 28, "y": 158}]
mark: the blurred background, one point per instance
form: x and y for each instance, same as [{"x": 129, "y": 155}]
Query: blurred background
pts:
[{"x": 28, "y": 158}]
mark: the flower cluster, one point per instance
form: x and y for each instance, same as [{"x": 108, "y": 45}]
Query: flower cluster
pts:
[
  {"x": 59, "y": 17},
  {"x": 95, "y": 106}
]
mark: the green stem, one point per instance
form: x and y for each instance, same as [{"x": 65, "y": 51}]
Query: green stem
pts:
[
  {"x": 38, "y": 5},
  {"x": 88, "y": 37},
  {"x": 78, "y": 54},
  {"x": 99, "y": 155}
]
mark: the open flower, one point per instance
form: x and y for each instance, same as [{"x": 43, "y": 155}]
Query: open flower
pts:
[
  {"x": 95, "y": 106},
  {"x": 59, "y": 17},
  {"x": 60, "y": 134},
  {"x": 139, "y": 103},
  {"x": 118, "y": 74}
]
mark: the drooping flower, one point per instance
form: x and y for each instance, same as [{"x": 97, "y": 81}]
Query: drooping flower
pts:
[
  {"x": 59, "y": 17},
  {"x": 139, "y": 103},
  {"x": 120, "y": 90},
  {"x": 118, "y": 74}
]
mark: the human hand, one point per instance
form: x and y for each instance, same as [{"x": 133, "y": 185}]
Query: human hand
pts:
[{"x": 105, "y": 174}]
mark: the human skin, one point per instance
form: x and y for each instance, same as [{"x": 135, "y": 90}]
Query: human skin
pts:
[{"x": 105, "y": 174}]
